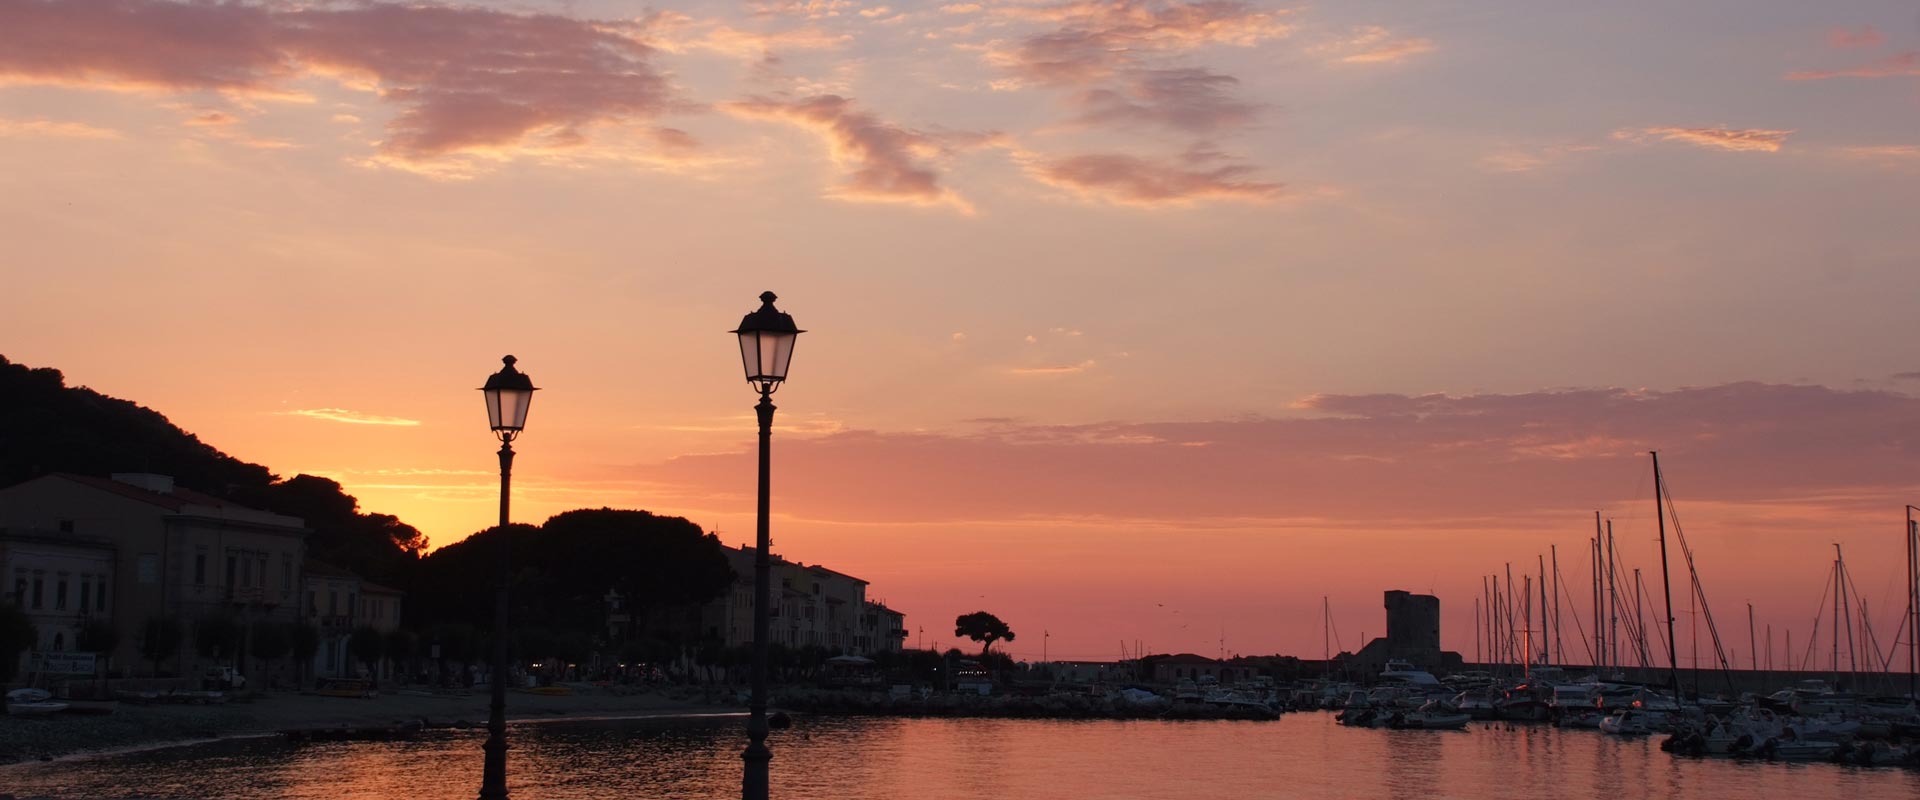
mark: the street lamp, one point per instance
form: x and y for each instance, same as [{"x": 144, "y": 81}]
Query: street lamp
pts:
[
  {"x": 509, "y": 392},
  {"x": 766, "y": 347}
]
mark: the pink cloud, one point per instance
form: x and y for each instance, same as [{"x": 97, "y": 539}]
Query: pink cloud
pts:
[
  {"x": 1199, "y": 175},
  {"x": 1376, "y": 45},
  {"x": 1447, "y": 457},
  {"x": 1191, "y": 99},
  {"x": 1098, "y": 38},
  {"x": 1898, "y": 65},
  {"x": 1864, "y": 36},
  {"x": 464, "y": 78},
  {"x": 886, "y": 162},
  {"x": 1751, "y": 140}
]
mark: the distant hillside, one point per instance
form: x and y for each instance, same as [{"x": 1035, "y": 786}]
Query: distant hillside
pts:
[{"x": 47, "y": 426}]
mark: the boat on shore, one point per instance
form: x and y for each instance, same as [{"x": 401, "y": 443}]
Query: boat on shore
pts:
[{"x": 32, "y": 702}]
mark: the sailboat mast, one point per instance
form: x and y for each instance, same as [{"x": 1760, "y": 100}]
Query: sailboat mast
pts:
[
  {"x": 1526, "y": 611},
  {"x": 1753, "y": 642},
  {"x": 1913, "y": 605},
  {"x": 1853, "y": 650},
  {"x": 1476, "y": 630},
  {"x": 1666, "y": 578},
  {"x": 1546, "y": 653},
  {"x": 1498, "y": 645},
  {"x": 1558, "y": 647},
  {"x": 1599, "y": 634},
  {"x": 1835, "y": 634},
  {"x": 1640, "y": 619},
  {"x": 1613, "y": 602}
]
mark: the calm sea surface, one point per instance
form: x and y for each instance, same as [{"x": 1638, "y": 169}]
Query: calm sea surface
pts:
[{"x": 1303, "y": 755}]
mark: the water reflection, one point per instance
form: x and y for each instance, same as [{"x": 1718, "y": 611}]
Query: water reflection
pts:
[{"x": 1302, "y": 755}]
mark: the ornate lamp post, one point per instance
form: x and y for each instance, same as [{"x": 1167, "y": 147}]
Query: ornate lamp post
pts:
[
  {"x": 509, "y": 392},
  {"x": 766, "y": 347}
]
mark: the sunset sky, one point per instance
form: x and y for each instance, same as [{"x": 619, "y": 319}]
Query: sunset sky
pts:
[{"x": 1128, "y": 321}]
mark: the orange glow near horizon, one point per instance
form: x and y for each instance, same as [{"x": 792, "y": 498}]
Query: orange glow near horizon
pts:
[{"x": 1132, "y": 321}]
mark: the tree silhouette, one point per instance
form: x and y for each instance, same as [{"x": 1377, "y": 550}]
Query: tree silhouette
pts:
[
  {"x": 159, "y": 638},
  {"x": 217, "y": 636},
  {"x": 303, "y": 641},
  {"x": 367, "y": 645},
  {"x": 16, "y": 636},
  {"x": 983, "y": 627}
]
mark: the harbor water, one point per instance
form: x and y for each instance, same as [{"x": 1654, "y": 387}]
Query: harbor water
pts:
[{"x": 1301, "y": 755}]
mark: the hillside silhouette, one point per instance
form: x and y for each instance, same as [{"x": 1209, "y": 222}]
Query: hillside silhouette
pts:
[{"x": 47, "y": 426}]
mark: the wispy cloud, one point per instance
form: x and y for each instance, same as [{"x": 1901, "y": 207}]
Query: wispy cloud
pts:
[
  {"x": 1057, "y": 369},
  {"x": 1376, "y": 45},
  {"x": 887, "y": 162},
  {"x": 1188, "y": 98},
  {"x": 1897, "y": 65},
  {"x": 1863, "y": 36},
  {"x": 350, "y": 417},
  {"x": 1748, "y": 140},
  {"x": 51, "y": 129},
  {"x": 1198, "y": 175}
]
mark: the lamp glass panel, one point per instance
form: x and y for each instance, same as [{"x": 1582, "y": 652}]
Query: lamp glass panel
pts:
[
  {"x": 513, "y": 408},
  {"x": 783, "y": 353},
  {"x": 493, "y": 408},
  {"x": 750, "y": 353},
  {"x": 769, "y": 348}
]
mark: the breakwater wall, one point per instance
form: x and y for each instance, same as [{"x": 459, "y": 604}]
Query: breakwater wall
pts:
[{"x": 1057, "y": 706}]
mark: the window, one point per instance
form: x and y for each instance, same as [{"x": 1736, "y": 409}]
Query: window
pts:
[
  {"x": 100, "y": 595},
  {"x": 333, "y": 602},
  {"x": 286, "y": 573},
  {"x": 39, "y": 586},
  {"x": 199, "y": 569},
  {"x": 59, "y": 642},
  {"x": 60, "y": 594},
  {"x": 246, "y": 573},
  {"x": 20, "y": 591},
  {"x": 86, "y": 589},
  {"x": 262, "y": 574},
  {"x": 66, "y": 526},
  {"x": 313, "y": 602},
  {"x": 233, "y": 568},
  {"x": 350, "y": 605}
]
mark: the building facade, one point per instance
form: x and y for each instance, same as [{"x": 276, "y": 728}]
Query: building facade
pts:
[
  {"x": 175, "y": 552},
  {"x": 338, "y": 601},
  {"x": 813, "y": 606},
  {"x": 60, "y": 581}
]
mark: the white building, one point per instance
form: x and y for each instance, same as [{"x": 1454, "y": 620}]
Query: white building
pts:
[{"x": 60, "y": 580}]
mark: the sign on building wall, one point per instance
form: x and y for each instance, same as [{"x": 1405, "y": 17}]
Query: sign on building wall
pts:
[{"x": 67, "y": 663}]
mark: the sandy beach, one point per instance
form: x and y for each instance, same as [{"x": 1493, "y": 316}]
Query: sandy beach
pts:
[{"x": 29, "y": 738}]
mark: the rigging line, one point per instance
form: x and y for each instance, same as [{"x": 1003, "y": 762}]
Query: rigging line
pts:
[
  {"x": 1615, "y": 606},
  {"x": 1693, "y": 573},
  {"x": 1574, "y": 610},
  {"x": 1818, "y": 612},
  {"x": 1658, "y": 630}
]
